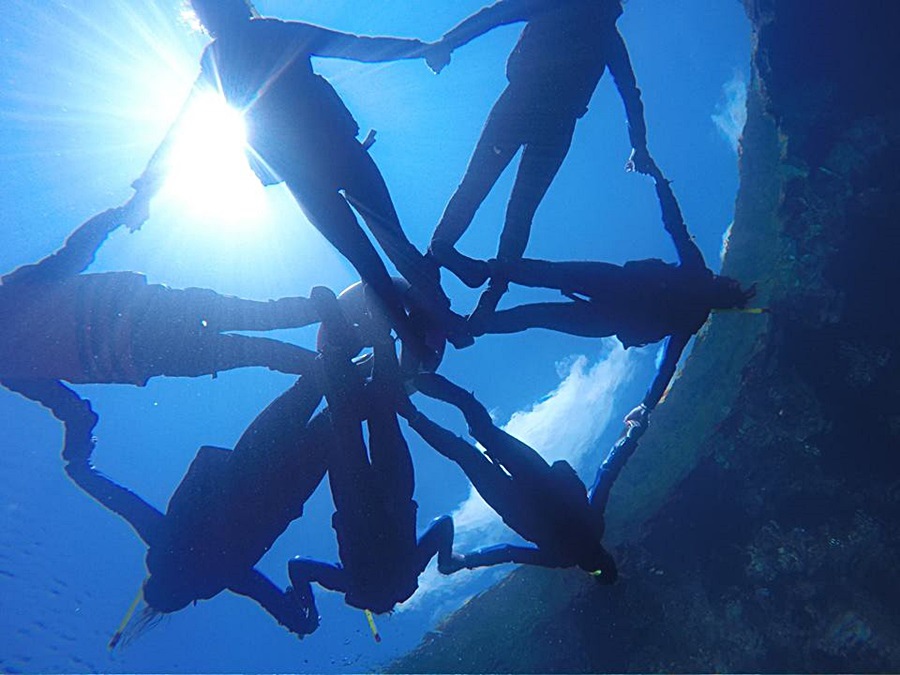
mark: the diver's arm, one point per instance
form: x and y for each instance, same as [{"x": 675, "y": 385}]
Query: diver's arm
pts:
[
  {"x": 76, "y": 414},
  {"x": 76, "y": 254},
  {"x": 335, "y": 44},
  {"x": 486, "y": 19},
  {"x": 288, "y": 608},
  {"x": 666, "y": 372},
  {"x": 148, "y": 184},
  {"x": 612, "y": 466},
  {"x": 79, "y": 420},
  {"x": 689, "y": 254},
  {"x": 508, "y": 553},
  {"x": 144, "y": 519},
  {"x": 619, "y": 64}
]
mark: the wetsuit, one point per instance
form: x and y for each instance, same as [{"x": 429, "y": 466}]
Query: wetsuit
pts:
[
  {"x": 560, "y": 57},
  {"x": 375, "y": 514},
  {"x": 299, "y": 129},
  {"x": 228, "y": 510},
  {"x": 641, "y": 302},
  {"x": 115, "y": 327},
  {"x": 547, "y": 504}
]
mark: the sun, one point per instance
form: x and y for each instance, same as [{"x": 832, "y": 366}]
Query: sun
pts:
[{"x": 208, "y": 172}]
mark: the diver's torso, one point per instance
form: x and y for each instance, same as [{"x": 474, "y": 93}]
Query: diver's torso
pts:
[
  {"x": 265, "y": 71},
  {"x": 653, "y": 299},
  {"x": 561, "y": 54},
  {"x": 377, "y": 549},
  {"x": 78, "y": 329}
]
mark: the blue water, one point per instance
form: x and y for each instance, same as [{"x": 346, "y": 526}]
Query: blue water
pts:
[{"x": 88, "y": 92}]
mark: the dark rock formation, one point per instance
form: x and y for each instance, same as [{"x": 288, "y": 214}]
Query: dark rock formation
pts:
[{"x": 758, "y": 525}]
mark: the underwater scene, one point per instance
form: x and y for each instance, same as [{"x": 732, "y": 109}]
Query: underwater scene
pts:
[{"x": 495, "y": 337}]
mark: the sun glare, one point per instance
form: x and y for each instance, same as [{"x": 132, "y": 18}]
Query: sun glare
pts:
[{"x": 208, "y": 170}]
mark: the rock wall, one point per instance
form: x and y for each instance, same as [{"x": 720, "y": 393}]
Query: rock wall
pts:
[{"x": 757, "y": 526}]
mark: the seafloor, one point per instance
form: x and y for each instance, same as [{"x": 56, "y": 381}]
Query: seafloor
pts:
[{"x": 757, "y": 525}]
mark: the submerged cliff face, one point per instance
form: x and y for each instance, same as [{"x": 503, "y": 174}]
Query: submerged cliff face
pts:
[{"x": 757, "y": 526}]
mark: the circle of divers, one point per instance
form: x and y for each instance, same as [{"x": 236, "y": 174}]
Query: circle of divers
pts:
[{"x": 67, "y": 325}]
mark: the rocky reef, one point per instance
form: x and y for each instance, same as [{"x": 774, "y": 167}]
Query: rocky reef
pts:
[{"x": 757, "y": 527}]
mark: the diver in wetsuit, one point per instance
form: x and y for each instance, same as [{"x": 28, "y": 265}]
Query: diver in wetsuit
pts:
[
  {"x": 114, "y": 327},
  {"x": 640, "y": 302},
  {"x": 228, "y": 510},
  {"x": 547, "y": 504},
  {"x": 300, "y": 132},
  {"x": 375, "y": 514},
  {"x": 562, "y": 53}
]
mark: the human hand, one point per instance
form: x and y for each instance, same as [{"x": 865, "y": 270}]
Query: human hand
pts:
[
  {"x": 437, "y": 55},
  {"x": 641, "y": 162},
  {"x": 637, "y": 417},
  {"x": 136, "y": 212}
]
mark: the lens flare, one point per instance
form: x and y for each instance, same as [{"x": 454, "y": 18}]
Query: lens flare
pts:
[{"x": 208, "y": 172}]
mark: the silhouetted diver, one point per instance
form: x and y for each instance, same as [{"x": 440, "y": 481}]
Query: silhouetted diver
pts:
[
  {"x": 375, "y": 514},
  {"x": 547, "y": 504},
  {"x": 114, "y": 327},
  {"x": 640, "y": 302},
  {"x": 562, "y": 53},
  {"x": 299, "y": 129},
  {"x": 228, "y": 510}
]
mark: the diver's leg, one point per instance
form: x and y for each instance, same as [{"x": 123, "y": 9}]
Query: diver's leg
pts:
[
  {"x": 348, "y": 462},
  {"x": 289, "y": 608},
  {"x": 574, "y": 318},
  {"x": 516, "y": 457},
  {"x": 330, "y": 213},
  {"x": 74, "y": 412},
  {"x": 365, "y": 189},
  {"x": 162, "y": 351},
  {"x": 494, "y": 151},
  {"x": 507, "y": 553},
  {"x": 492, "y": 482},
  {"x": 538, "y": 167},
  {"x": 438, "y": 539},
  {"x": 218, "y": 312},
  {"x": 584, "y": 277},
  {"x": 367, "y": 192},
  {"x": 389, "y": 453}
]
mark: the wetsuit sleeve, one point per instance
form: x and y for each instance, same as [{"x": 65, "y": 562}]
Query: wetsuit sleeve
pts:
[
  {"x": 689, "y": 254},
  {"x": 619, "y": 64},
  {"x": 288, "y": 608},
  {"x": 75, "y": 256},
  {"x": 318, "y": 41},
  {"x": 674, "y": 347},
  {"x": 499, "y": 14},
  {"x": 150, "y": 181},
  {"x": 507, "y": 553}
]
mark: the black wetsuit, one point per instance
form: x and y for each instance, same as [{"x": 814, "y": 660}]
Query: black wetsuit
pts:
[
  {"x": 301, "y": 132},
  {"x": 547, "y": 504},
  {"x": 228, "y": 510},
  {"x": 560, "y": 57},
  {"x": 640, "y": 302},
  {"x": 375, "y": 514},
  {"x": 115, "y": 327}
]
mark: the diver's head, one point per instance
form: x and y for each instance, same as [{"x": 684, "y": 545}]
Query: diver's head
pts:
[
  {"x": 165, "y": 594},
  {"x": 218, "y": 16},
  {"x": 726, "y": 293},
  {"x": 599, "y": 564}
]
